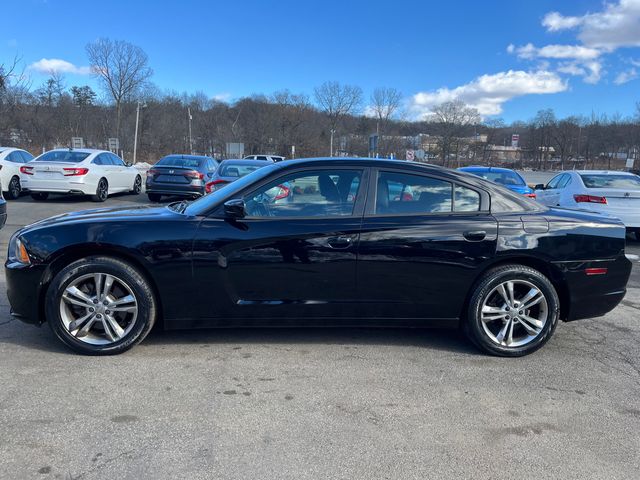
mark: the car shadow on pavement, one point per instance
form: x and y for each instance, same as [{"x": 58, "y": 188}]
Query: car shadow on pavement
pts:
[
  {"x": 28, "y": 336},
  {"x": 429, "y": 338}
]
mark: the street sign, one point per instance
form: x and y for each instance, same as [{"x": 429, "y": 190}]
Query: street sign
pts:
[
  {"x": 630, "y": 162},
  {"x": 515, "y": 139},
  {"x": 114, "y": 145},
  {"x": 411, "y": 155},
  {"x": 77, "y": 142}
]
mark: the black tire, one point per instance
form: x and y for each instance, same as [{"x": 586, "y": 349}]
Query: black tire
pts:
[
  {"x": 137, "y": 185},
  {"x": 14, "y": 188},
  {"x": 102, "y": 191},
  {"x": 135, "y": 280},
  {"x": 40, "y": 196},
  {"x": 154, "y": 197},
  {"x": 485, "y": 286}
]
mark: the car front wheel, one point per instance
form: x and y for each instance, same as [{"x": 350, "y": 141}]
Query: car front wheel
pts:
[
  {"x": 100, "y": 306},
  {"x": 137, "y": 185},
  {"x": 513, "y": 311}
]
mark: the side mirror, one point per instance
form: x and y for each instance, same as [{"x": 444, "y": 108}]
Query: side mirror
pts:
[
  {"x": 539, "y": 186},
  {"x": 128, "y": 164},
  {"x": 234, "y": 208}
]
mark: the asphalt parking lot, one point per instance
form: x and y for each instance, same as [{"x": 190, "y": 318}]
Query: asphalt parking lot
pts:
[{"x": 318, "y": 403}]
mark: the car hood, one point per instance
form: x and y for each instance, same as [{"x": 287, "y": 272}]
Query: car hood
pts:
[{"x": 147, "y": 212}]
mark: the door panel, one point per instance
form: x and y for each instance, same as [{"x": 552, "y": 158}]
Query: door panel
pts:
[
  {"x": 421, "y": 266},
  {"x": 253, "y": 270}
]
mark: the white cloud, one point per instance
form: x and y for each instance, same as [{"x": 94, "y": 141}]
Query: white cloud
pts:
[
  {"x": 554, "y": 21},
  {"x": 222, "y": 97},
  {"x": 488, "y": 93},
  {"x": 626, "y": 76},
  {"x": 56, "y": 65},
  {"x": 529, "y": 51},
  {"x": 595, "y": 72},
  {"x": 618, "y": 25},
  {"x": 571, "y": 68}
]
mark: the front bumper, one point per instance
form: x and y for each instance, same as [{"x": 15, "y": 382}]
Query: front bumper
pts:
[{"x": 24, "y": 289}]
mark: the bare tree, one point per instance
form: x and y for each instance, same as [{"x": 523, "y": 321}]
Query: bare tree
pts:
[
  {"x": 453, "y": 118},
  {"x": 121, "y": 67},
  {"x": 384, "y": 103},
  {"x": 336, "y": 101}
]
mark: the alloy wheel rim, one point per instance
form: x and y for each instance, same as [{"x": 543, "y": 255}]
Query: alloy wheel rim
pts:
[
  {"x": 514, "y": 313},
  {"x": 15, "y": 187},
  {"x": 103, "y": 189},
  {"x": 138, "y": 185},
  {"x": 98, "y": 309}
]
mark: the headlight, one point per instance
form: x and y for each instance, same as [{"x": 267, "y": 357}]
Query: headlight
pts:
[{"x": 18, "y": 252}]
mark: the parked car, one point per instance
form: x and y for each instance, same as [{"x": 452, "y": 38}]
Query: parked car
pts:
[
  {"x": 230, "y": 171},
  {"x": 10, "y": 161},
  {"x": 609, "y": 192},
  {"x": 509, "y": 178},
  {"x": 180, "y": 175},
  {"x": 269, "y": 158},
  {"x": 3, "y": 210},
  {"x": 460, "y": 251},
  {"x": 98, "y": 173}
]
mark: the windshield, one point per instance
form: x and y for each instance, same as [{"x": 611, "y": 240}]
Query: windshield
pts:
[
  {"x": 181, "y": 162},
  {"x": 206, "y": 203},
  {"x": 506, "y": 177},
  {"x": 237, "y": 169},
  {"x": 63, "y": 156},
  {"x": 611, "y": 181}
]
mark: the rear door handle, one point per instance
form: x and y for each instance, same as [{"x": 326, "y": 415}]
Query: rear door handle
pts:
[
  {"x": 342, "y": 241},
  {"x": 475, "y": 235}
]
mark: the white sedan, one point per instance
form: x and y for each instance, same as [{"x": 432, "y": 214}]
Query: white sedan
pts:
[
  {"x": 11, "y": 159},
  {"x": 609, "y": 192},
  {"x": 90, "y": 172}
]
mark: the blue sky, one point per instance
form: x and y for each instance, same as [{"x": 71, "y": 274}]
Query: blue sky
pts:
[{"x": 506, "y": 58}]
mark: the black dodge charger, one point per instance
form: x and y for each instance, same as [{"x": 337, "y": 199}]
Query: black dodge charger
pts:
[{"x": 353, "y": 242}]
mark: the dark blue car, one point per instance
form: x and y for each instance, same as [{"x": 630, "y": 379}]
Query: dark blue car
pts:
[{"x": 508, "y": 178}]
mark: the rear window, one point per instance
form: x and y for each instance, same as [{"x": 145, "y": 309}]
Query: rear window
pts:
[
  {"x": 611, "y": 181},
  {"x": 236, "y": 169},
  {"x": 181, "y": 162},
  {"x": 503, "y": 178},
  {"x": 63, "y": 156}
]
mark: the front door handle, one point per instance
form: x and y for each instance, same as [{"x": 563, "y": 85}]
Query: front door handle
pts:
[
  {"x": 475, "y": 235},
  {"x": 340, "y": 242}
]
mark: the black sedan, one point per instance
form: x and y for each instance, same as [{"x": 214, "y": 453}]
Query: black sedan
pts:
[
  {"x": 180, "y": 176},
  {"x": 358, "y": 242}
]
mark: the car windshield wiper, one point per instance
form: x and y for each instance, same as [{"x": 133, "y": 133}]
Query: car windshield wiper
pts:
[{"x": 179, "y": 206}]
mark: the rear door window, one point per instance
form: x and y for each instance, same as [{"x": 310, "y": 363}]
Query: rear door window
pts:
[{"x": 401, "y": 193}]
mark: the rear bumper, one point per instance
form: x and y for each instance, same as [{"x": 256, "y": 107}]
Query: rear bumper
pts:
[
  {"x": 175, "y": 190},
  {"x": 58, "y": 186},
  {"x": 596, "y": 295}
]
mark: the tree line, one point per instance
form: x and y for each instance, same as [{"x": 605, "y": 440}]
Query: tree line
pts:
[{"x": 336, "y": 119}]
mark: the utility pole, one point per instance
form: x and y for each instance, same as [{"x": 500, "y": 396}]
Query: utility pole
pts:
[
  {"x": 135, "y": 136},
  {"x": 332, "y": 132},
  {"x": 190, "y": 142}
]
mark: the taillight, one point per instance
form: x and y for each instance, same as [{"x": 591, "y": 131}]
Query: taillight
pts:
[
  {"x": 211, "y": 186},
  {"x": 194, "y": 174},
  {"x": 530, "y": 195},
  {"x": 152, "y": 172},
  {"x": 74, "y": 172},
  {"x": 596, "y": 271},
  {"x": 282, "y": 193},
  {"x": 26, "y": 170},
  {"x": 589, "y": 199}
]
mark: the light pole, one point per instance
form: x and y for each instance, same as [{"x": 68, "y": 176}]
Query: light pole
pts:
[
  {"x": 135, "y": 136},
  {"x": 190, "y": 142}
]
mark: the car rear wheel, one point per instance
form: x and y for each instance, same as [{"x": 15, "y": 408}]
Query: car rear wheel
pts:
[
  {"x": 154, "y": 197},
  {"x": 40, "y": 196},
  {"x": 14, "y": 188},
  {"x": 102, "y": 191},
  {"x": 514, "y": 311},
  {"x": 100, "y": 306},
  {"x": 137, "y": 185}
]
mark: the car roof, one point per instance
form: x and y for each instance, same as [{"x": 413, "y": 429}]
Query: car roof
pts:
[
  {"x": 480, "y": 168},
  {"x": 186, "y": 155},
  {"x": 599, "y": 172},
  {"x": 81, "y": 150},
  {"x": 246, "y": 161}
]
